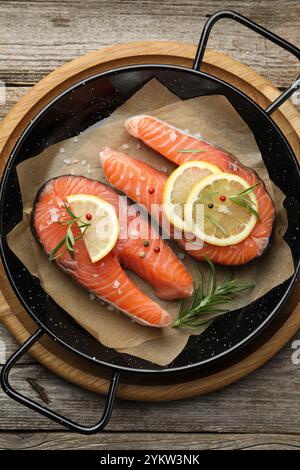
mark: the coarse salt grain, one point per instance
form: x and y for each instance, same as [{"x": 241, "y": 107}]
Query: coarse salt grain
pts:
[
  {"x": 83, "y": 162},
  {"x": 233, "y": 166},
  {"x": 133, "y": 233},
  {"x": 198, "y": 135},
  {"x": 92, "y": 296},
  {"x": 95, "y": 275},
  {"x": 75, "y": 140},
  {"x": 164, "y": 169},
  {"x": 59, "y": 202},
  {"x": 72, "y": 172},
  {"x": 67, "y": 161},
  {"x": 88, "y": 169},
  {"x": 125, "y": 146},
  {"x": 116, "y": 285},
  {"x": 75, "y": 161},
  {"x": 181, "y": 256},
  {"x": 54, "y": 216},
  {"x": 223, "y": 209},
  {"x": 62, "y": 150},
  {"x": 142, "y": 178},
  {"x": 138, "y": 146},
  {"x": 173, "y": 136}
]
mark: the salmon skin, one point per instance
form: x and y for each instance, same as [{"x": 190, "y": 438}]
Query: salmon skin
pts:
[
  {"x": 106, "y": 278},
  {"x": 167, "y": 140}
]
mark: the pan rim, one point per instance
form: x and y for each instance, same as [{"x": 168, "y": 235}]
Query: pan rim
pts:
[{"x": 189, "y": 367}]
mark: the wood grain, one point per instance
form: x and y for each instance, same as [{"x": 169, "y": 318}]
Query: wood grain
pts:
[
  {"x": 8, "y": 345},
  {"x": 266, "y": 401},
  {"x": 259, "y": 411},
  {"x": 13, "y": 94},
  {"x": 64, "y": 30},
  {"x": 218, "y": 64},
  {"x": 149, "y": 441}
]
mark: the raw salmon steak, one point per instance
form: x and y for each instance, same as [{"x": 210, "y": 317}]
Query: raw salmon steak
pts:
[
  {"x": 167, "y": 140},
  {"x": 106, "y": 278}
]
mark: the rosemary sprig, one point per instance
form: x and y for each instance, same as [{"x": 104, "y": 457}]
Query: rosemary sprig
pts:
[
  {"x": 191, "y": 151},
  {"x": 69, "y": 240},
  {"x": 249, "y": 190},
  {"x": 242, "y": 201},
  {"x": 209, "y": 302}
]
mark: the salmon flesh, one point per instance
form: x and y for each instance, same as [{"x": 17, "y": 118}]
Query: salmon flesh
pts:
[
  {"x": 107, "y": 278},
  {"x": 167, "y": 140}
]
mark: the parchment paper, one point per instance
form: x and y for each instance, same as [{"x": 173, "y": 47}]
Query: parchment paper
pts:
[{"x": 218, "y": 122}]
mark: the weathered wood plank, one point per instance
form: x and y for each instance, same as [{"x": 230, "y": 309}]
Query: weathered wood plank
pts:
[
  {"x": 149, "y": 441},
  {"x": 268, "y": 401},
  {"x": 9, "y": 98},
  {"x": 63, "y": 30},
  {"x": 8, "y": 345}
]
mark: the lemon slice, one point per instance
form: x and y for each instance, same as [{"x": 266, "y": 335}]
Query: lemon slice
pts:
[
  {"x": 102, "y": 234},
  {"x": 178, "y": 187},
  {"x": 220, "y": 211}
]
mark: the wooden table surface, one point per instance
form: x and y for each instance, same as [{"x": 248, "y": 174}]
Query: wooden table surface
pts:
[{"x": 259, "y": 412}]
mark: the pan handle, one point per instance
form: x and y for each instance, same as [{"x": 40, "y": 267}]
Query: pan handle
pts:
[
  {"x": 258, "y": 29},
  {"x": 46, "y": 411}
]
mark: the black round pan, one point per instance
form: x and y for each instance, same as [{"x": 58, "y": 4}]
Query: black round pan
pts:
[{"x": 64, "y": 118}]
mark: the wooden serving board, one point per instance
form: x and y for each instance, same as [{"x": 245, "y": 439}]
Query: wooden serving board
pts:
[{"x": 68, "y": 365}]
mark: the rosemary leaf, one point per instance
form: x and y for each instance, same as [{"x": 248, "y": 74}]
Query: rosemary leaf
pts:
[
  {"x": 245, "y": 205},
  {"x": 65, "y": 221},
  {"x": 205, "y": 306},
  {"x": 247, "y": 201},
  {"x": 248, "y": 190},
  {"x": 194, "y": 324},
  {"x": 86, "y": 226},
  {"x": 70, "y": 212},
  {"x": 69, "y": 240},
  {"x": 70, "y": 235},
  {"x": 56, "y": 249},
  {"x": 69, "y": 244},
  {"x": 212, "y": 280}
]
